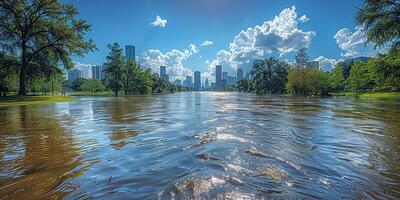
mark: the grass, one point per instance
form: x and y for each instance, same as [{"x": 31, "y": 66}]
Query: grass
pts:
[
  {"x": 29, "y": 100},
  {"x": 386, "y": 96}
]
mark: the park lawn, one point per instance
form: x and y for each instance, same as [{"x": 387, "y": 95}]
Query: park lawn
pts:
[
  {"x": 387, "y": 96},
  {"x": 29, "y": 100}
]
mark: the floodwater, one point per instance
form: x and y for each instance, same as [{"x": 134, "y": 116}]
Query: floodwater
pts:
[{"x": 201, "y": 145}]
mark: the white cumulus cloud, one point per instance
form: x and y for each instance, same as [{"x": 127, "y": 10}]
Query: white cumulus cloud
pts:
[
  {"x": 304, "y": 18},
  {"x": 326, "y": 64},
  {"x": 207, "y": 43},
  {"x": 353, "y": 44},
  {"x": 280, "y": 36},
  {"x": 173, "y": 60},
  {"x": 160, "y": 22}
]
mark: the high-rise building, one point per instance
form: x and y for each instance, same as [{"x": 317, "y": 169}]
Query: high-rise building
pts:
[
  {"x": 130, "y": 53},
  {"x": 206, "y": 84},
  {"x": 239, "y": 74},
  {"x": 189, "y": 81},
  {"x": 98, "y": 72},
  {"x": 197, "y": 80},
  {"x": 231, "y": 80},
  {"x": 218, "y": 76},
  {"x": 163, "y": 73},
  {"x": 178, "y": 82},
  {"x": 225, "y": 75},
  {"x": 74, "y": 74}
]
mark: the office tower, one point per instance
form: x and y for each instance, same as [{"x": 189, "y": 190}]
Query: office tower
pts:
[
  {"x": 197, "y": 80},
  {"x": 163, "y": 73},
  {"x": 130, "y": 53},
  {"x": 218, "y": 76},
  {"x": 189, "y": 81},
  {"x": 239, "y": 74},
  {"x": 206, "y": 84},
  {"x": 97, "y": 72},
  {"x": 231, "y": 80},
  {"x": 74, "y": 74},
  {"x": 223, "y": 84},
  {"x": 225, "y": 75},
  {"x": 178, "y": 82}
]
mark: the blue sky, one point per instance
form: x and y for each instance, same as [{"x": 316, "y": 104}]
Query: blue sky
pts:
[{"x": 327, "y": 29}]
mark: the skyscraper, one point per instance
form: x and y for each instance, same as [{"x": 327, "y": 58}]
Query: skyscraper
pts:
[
  {"x": 218, "y": 77},
  {"x": 189, "y": 81},
  {"x": 225, "y": 75},
  {"x": 74, "y": 74},
  {"x": 206, "y": 84},
  {"x": 163, "y": 73},
  {"x": 239, "y": 74},
  {"x": 197, "y": 80},
  {"x": 130, "y": 53},
  {"x": 97, "y": 72}
]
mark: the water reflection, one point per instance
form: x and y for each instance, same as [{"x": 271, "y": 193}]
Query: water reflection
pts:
[{"x": 201, "y": 145}]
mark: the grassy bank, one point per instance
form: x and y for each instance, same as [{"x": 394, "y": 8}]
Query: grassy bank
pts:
[
  {"x": 387, "y": 96},
  {"x": 29, "y": 100}
]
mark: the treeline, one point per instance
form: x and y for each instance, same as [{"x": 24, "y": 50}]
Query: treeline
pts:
[
  {"x": 380, "y": 20},
  {"x": 270, "y": 76}
]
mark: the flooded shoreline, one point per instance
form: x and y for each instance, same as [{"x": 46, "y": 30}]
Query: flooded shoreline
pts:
[{"x": 201, "y": 145}]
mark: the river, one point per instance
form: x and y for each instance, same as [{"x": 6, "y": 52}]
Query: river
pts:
[{"x": 201, "y": 145}]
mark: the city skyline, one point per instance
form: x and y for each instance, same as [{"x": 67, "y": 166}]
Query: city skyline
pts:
[{"x": 172, "y": 44}]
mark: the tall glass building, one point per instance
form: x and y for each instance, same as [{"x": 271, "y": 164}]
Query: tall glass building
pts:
[
  {"x": 218, "y": 76},
  {"x": 197, "y": 80},
  {"x": 130, "y": 53}
]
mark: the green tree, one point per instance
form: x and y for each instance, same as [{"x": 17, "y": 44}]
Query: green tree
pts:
[
  {"x": 336, "y": 79},
  {"x": 114, "y": 68},
  {"x": 381, "y": 19},
  {"x": 269, "y": 76},
  {"x": 41, "y": 27},
  {"x": 385, "y": 70},
  {"x": 243, "y": 85},
  {"x": 92, "y": 85},
  {"x": 360, "y": 77}
]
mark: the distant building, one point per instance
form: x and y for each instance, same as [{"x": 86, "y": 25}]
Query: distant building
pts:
[
  {"x": 178, "y": 82},
  {"x": 225, "y": 75},
  {"x": 314, "y": 64},
  {"x": 206, "y": 84},
  {"x": 213, "y": 85},
  {"x": 98, "y": 72},
  {"x": 74, "y": 74},
  {"x": 231, "y": 80},
  {"x": 130, "y": 53},
  {"x": 218, "y": 77},
  {"x": 248, "y": 76},
  {"x": 197, "y": 80},
  {"x": 223, "y": 84},
  {"x": 239, "y": 74},
  {"x": 189, "y": 81},
  {"x": 156, "y": 74},
  {"x": 163, "y": 73}
]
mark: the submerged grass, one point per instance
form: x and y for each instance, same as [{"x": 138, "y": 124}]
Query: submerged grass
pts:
[
  {"x": 387, "y": 96},
  {"x": 29, "y": 100}
]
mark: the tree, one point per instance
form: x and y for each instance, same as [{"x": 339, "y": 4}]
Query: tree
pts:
[
  {"x": 360, "y": 77},
  {"x": 92, "y": 85},
  {"x": 336, "y": 79},
  {"x": 114, "y": 68},
  {"x": 385, "y": 70},
  {"x": 269, "y": 76},
  {"x": 243, "y": 85},
  {"x": 31, "y": 29},
  {"x": 381, "y": 19}
]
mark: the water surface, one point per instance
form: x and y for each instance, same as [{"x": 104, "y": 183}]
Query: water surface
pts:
[{"x": 201, "y": 145}]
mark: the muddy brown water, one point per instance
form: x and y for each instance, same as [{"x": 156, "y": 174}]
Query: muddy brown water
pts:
[{"x": 201, "y": 145}]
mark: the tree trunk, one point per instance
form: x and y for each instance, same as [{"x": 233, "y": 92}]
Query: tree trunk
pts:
[{"x": 22, "y": 72}]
